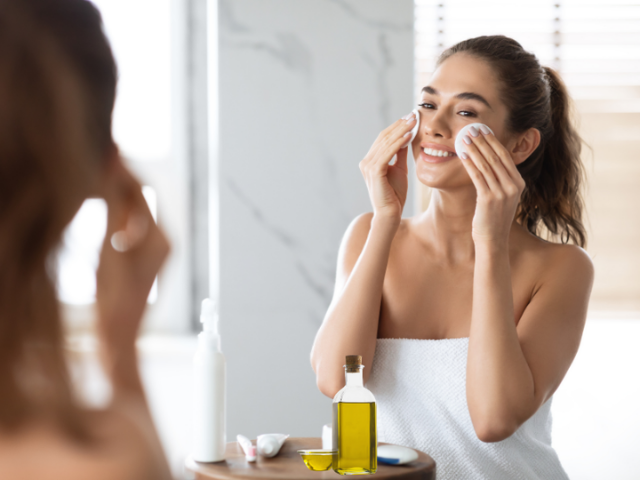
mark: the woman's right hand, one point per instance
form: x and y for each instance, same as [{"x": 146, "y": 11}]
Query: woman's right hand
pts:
[{"x": 388, "y": 184}]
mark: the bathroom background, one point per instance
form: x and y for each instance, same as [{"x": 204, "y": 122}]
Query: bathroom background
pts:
[{"x": 246, "y": 120}]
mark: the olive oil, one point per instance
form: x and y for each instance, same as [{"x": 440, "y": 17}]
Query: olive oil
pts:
[
  {"x": 355, "y": 437},
  {"x": 317, "y": 460}
]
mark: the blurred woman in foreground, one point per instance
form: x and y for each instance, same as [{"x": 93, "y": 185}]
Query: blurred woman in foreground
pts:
[{"x": 57, "y": 89}]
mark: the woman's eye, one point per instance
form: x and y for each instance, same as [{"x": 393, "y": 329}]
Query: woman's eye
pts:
[
  {"x": 426, "y": 105},
  {"x": 466, "y": 113}
]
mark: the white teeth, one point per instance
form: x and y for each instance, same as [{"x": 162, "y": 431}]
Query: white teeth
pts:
[{"x": 437, "y": 153}]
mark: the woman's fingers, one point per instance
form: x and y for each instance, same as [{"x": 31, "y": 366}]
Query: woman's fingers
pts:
[
  {"x": 132, "y": 234},
  {"x": 129, "y": 218},
  {"x": 499, "y": 158},
  {"x": 481, "y": 165},
  {"x": 394, "y": 146},
  {"x": 404, "y": 131},
  {"x": 491, "y": 159},
  {"x": 496, "y": 158},
  {"x": 387, "y": 184},
  {"x": 119, "y": 192},
  {"x": 476, "y": 176},
  {"x": 401, "y": 162},
  {"x": 389, "y": 142}
]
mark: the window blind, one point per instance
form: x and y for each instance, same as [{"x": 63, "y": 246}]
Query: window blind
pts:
[
  {"x": 600, "y": 54},
  {"x": 594, "y": 44}
]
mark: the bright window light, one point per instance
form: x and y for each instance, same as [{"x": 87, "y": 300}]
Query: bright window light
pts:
[
  {"x": 80, "y": 253},
  {"x": 152, "y": 200},
  {"x": 140, "y": 36},
  {"x": 78, "y": 259}
]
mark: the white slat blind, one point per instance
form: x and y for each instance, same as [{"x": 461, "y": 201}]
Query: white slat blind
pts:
[
  {"x": 440, "y": 24},
  {"x": 600, "y": 54},
  {"x": 595, "y": 45}
]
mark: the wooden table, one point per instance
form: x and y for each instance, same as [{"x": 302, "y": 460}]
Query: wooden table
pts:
[{"x": 289, "y": 465}]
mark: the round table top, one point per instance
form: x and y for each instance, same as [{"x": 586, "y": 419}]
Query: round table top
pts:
[{"x": 289, "y": 465}]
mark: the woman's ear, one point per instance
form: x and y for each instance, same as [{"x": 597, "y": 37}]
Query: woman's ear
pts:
[{"x": 525, "y": 145}]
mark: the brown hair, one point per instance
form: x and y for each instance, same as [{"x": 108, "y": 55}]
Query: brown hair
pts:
[
  {"x": 536, "y": 97},
  {"x": 54, "y": 127},
  {"x": 76, "y": 27}
]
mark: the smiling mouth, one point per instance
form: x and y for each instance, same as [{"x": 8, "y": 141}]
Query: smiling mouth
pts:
[{"x": 438, "y": 153}]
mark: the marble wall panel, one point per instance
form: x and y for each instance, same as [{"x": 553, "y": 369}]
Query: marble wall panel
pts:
[{"x": 304, "y": 89}]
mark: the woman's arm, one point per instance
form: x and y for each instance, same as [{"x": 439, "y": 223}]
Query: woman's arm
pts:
[
  {"x": 132, "y": 253},
  {"x": 512, "y": 371},
  {"x": 350, "y": 326}
]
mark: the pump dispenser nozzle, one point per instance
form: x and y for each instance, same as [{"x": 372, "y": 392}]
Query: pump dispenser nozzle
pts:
[
  {"x": 209, "y": 320},
  {"x": 208, "y": 316}
]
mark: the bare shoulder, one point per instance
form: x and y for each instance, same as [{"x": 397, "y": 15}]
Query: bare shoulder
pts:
[
  {"x": 354, "y": 240},
  {"x": 119, "y": 451},
  {"x": 358, "y": 231},
  {"x": 572, "y": 258},
  {"x": 559, "y": 261}
]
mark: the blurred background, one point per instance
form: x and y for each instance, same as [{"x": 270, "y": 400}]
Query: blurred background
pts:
[{"x": 246, "y": 120}]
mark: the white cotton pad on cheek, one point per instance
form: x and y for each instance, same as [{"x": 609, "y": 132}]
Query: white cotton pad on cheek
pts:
[
  {"x": 414, "y": 130},
  {"x": 460, "y": 145}
]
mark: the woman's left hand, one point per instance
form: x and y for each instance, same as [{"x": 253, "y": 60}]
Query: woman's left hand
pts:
[{"x": 499, "y": 186}]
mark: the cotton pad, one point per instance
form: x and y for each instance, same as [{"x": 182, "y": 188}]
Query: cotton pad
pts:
[
  {"x": 414, "y": 130},
  {"x": 460, "y": 145}
]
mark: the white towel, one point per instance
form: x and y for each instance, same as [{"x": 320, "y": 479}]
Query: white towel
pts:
[{"x": 420, "y": 390}]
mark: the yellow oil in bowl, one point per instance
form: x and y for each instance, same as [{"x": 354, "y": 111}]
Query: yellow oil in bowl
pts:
[{"x": 317, "y": 460}]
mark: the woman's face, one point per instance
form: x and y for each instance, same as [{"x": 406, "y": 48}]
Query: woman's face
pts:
[{"x": 462, "y": 90}]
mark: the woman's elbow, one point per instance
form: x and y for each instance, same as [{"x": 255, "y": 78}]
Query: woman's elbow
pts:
[
  {"x": 328, "y": 386},
  {"x": 494, "y": 431}
]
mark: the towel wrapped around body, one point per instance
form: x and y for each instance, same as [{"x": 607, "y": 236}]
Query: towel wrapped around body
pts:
[{"x": 420, "y": 393}]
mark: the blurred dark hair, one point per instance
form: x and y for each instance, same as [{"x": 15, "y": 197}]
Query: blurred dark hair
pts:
[
  {"x": 57, "y": 87},
  {"x": 536, "y": 97},
  {"x": 76, "y": 27}
]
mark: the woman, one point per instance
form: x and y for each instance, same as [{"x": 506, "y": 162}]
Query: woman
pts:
[
  {"x": 57, "y": 89},
  {"x": 468, "y": 319}
]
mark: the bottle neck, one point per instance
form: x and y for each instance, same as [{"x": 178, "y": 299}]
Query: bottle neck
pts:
[
  {"x": 354, "y": 379},
  {"x": 209, "y": 341}
]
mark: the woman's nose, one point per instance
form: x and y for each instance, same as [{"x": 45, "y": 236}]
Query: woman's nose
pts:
[{"x": 436, "y": 126}]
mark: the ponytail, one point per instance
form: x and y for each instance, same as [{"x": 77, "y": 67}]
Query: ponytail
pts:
[
  {"x": 536, "y": 97},
  {"x": 553, "y": 192}
]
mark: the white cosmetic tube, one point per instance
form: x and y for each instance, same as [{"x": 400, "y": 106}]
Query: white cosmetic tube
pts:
[
  {"x": 248, "y": 449},
  {"x": 269, "y": 444}
]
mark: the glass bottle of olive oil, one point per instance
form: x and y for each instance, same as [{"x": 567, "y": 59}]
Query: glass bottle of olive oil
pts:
[{"x": 355, "y": 436}]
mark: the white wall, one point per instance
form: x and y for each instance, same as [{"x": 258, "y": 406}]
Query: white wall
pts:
[
  {"x": 304, "y": 87},
  {"x": 596, "y": 419}
]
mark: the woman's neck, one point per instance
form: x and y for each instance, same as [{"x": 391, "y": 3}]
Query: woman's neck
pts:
[{"x": 448, "y": 222}]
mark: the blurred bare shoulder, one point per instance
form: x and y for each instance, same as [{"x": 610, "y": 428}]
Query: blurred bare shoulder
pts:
[{"x": 120, "y": 451}]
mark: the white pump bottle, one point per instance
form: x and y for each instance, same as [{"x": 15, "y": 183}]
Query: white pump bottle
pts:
[{"x": 210, "y": 385}]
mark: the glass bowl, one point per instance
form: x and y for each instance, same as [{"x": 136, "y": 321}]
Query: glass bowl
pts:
[{"x": 317, "y": 460}]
